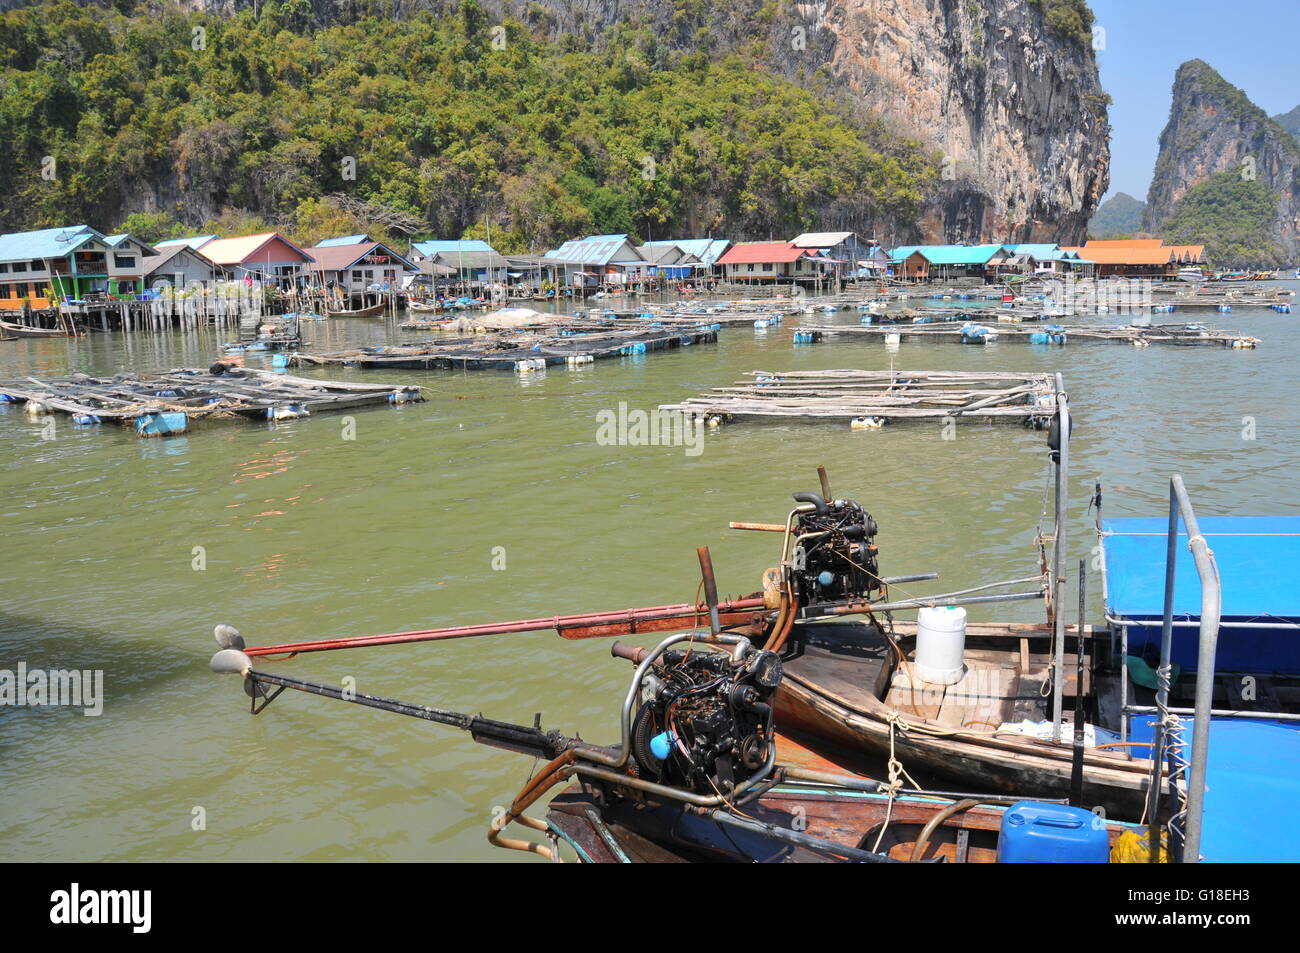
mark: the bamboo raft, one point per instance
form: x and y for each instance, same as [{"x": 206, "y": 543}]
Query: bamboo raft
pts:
[
  {"x": 163, "y": 404},
  {"x": 519, "y": 352},
  {"x": 869, "y": 399},
  {"x": 1193, "y": 335}
]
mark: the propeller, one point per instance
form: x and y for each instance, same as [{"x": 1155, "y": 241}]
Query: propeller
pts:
[{"x": 228, "y": 636}]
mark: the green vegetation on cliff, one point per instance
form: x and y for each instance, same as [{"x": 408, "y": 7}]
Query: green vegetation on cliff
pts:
[
  {"x": 1232, "y": 217},
  {"x": 1119, "y": 216},
  {"x": 437, "y": 124}
]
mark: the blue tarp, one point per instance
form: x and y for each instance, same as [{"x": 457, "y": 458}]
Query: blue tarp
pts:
[
  {"x": 1252, "y": 785},
  {"x": 1258, "y": 559}
]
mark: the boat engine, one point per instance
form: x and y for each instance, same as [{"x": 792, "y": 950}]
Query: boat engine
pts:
[
  {"x": 834, "y": 554},
  {"x": 705, "y": 721}
]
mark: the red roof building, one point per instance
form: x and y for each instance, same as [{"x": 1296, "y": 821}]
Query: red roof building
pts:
[{"x": 771, "y": 261}]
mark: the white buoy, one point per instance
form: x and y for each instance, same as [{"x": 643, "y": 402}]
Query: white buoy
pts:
[{"x": 941, "y": 644}]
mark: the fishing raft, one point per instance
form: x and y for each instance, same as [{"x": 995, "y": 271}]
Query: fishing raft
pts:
[
  {"x": 1187, "y": 335},
  {"x": 166, "y": 404},
  {"x": 521, "y": 353},
  {"x": 870, "y": 399}
]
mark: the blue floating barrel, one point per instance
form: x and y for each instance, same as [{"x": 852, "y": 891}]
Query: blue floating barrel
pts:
[
  {"x": 279, "y": 360},
  {"x": 161, "y": 425},
  {"x": 86, "y": 420},
  {"x": 1224, "y": 308}
]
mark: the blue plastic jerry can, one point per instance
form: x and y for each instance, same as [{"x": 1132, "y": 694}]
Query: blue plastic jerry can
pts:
[{"x": 1037, "y": 833}]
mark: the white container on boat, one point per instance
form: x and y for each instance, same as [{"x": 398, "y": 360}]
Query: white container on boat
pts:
[{"x": 941, "y": 644}]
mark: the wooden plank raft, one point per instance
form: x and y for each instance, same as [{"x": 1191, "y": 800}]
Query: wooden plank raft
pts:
[
  {"x": 513, "y": 351},
  {"x": 165, "y": 403},
  {"x": 1191, "y": 335},
  {"x": 871, "y": 398}
]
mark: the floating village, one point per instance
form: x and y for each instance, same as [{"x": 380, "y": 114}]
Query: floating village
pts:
[{"x": 824, "y": 713}]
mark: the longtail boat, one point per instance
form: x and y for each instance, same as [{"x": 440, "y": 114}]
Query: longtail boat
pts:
[
  {"x": 700, "y": 772},
  {"x": 1024, "y": 714}
]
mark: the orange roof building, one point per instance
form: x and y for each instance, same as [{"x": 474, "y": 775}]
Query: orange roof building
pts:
[{"x": 1139, "y": 257}]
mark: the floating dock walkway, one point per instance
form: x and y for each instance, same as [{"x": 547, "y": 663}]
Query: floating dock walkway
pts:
[
  {"x": 1190, "y": 335},
  {"x": 867, "y": 400},
  {"x": 522, "y": 353},
  {"x": 165, "y": 404}
]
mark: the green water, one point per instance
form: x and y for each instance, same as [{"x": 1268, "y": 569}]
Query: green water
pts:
[{"x": 306, "y": 534}]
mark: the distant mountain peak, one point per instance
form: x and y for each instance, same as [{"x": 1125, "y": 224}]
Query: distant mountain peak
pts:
[{"x": 1218, "y": 139}]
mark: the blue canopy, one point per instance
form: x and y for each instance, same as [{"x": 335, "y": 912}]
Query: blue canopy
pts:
[{"x": 1258, "y": 559}]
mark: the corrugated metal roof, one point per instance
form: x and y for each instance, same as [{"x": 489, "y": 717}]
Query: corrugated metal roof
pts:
[
  {"x": 592, "y": 250},
  {"x": 45, "y": 242},
  {"x": 1123, "y": 243},
  {"x": 707, "y": 250},
  {"x": 362, "y": 239},
  {"x": 746, "y": 253},
  {"x": 232, "y": 251},
  {"x": 431, "y": 248},
  {"x": 1044, "y": 251},
  {"x": 338, "y": 257},
  {"x": 1128, "y": 255},
  {"x": 194, "y": 241},
  {"x": 473, "y": 260},
  {"x": 949, "y": 254},
  {"x": 820, "y": 239},
  {"x": 154, "y": 262}
]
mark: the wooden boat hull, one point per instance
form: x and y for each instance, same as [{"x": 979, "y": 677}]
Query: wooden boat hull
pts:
[
  {"x": 664, "y": 833},
  {"x": 830, "y": 697},
  {"x": 23, "y": 331},
  {"x": 373, "y": 311}
]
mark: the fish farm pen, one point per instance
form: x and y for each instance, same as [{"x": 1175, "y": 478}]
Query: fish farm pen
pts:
[
  {"x": 522, "y": 353},
  {"x": 164, "y": 404},
  {"x": 869, "y": 399},
  {"x": 1188, "y": 335}
]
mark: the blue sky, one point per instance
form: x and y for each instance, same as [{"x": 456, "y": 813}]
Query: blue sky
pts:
[{"x": 1252, "y": 43}]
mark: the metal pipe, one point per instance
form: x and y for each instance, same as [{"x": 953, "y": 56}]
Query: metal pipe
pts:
[
  {"x": 1189, "y": 624},
  {"x": 1059, "y": 554},
  {"x": 801, "y": 839},
  {"x": 1211, "y": 608},
  {"x": 629, "y": 616},
  {"x": 1218, "y": 713},
  {"x": 861, "y": 607},
  {"x": 914, "y": 577},
  {"x": 710, "y": 589},
  {"x": 1163, "y": 675},
  {"x": 1076, "y": 760},
  {"x": 663, "y": 790}
]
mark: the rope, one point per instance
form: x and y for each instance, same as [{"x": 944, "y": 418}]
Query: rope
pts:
[{"x": 896, "y": 775}]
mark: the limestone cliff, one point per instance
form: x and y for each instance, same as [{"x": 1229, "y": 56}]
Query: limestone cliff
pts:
[
  {"x": 1214, "y": 128},
  {"x": 1006, "y": 91}
]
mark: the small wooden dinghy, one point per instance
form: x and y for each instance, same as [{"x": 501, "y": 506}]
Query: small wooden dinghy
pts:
[
  {"x": 849, "y": 685},
  {"x": 26, "y": 331},
  {"x": 373, "y": 311}
]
